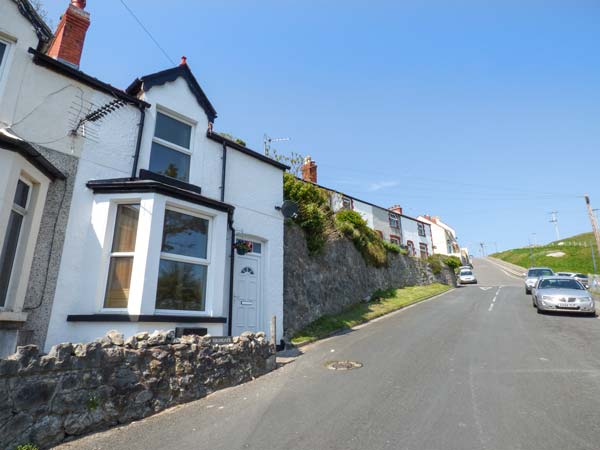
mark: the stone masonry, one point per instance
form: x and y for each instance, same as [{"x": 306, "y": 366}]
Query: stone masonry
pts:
[
  {"x": 315, "y": 285},
  {"x": 82, "y": 388}
]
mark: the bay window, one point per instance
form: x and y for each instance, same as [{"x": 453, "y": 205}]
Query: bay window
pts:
[
  {"x": 13, "y": 237},
  {"x": 121, "y": 257},
  {"x": 171, "y": 147},
  {"x": 183, "y": 263}
]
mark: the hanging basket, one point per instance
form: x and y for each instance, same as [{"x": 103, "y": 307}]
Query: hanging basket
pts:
[{"x": 243, "y": 247}]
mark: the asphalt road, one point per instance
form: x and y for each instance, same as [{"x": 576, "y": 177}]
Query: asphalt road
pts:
[{"x": 461, "y": 371}]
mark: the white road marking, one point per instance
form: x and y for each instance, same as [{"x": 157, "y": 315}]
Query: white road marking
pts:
[
  {"x": 491, "y": 307},
  {"x": 485, "y": 288}
]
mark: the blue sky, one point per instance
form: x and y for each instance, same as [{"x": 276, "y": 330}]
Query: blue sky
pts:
[{"x": 486, "y": 113}]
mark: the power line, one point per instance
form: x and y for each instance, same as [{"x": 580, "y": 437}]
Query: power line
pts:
[{"x": 147, "y": 32}]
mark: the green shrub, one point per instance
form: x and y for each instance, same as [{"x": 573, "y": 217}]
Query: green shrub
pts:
[
  {"x": 435, "y": 264},
  {"x": 314, "y": 214},
  {"x": 27, "y": 447},
  {"x": 453, "y": 262},
  {"x": 394, "y": 248},
  {"x": 367, "y": 241}
]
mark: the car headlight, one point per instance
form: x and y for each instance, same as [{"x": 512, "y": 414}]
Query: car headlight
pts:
[
  {"x": 585, "y": 299},
  {"x": 547, "y": 297}
]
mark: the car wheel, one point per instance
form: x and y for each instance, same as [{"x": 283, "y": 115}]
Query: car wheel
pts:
[
  {"x": 527, "y": 291},
  {"x": 534, "y": 305},
  {"x": 541, "y": 311}
]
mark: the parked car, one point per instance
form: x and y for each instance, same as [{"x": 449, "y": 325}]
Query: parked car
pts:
[
  {"x": 562, "y": 294},
  {"x": 581, "y": 277},
  {"x": 466, "y": 276},
  {"x": 532, "y": 276},
  {"x": 468, "y": 267}
]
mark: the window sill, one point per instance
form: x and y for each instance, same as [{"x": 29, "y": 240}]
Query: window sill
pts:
[
  {"x": 144, "y": 318},
  {"x": 10, "y": 316}
]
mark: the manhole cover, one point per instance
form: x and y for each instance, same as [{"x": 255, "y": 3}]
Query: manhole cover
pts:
[{"x": 343, "y": 365}]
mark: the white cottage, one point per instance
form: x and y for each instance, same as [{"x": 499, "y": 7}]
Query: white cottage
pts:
[
  {"x": 133, "y": 215},
  {"x": 191, "y": 240}
]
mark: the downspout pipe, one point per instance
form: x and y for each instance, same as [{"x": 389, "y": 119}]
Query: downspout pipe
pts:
[
  {"x": 231, "y": 263},
  {"x": 231, "y": 247},
  {"x": 138, "y": 144}
]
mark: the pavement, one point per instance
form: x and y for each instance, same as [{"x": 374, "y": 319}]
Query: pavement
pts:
[{"x": 475, "y": 368}]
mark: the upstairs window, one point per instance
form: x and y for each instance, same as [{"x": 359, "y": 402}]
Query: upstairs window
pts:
[
  {"x": 421, "y": 227},
  {"x": 394, "y": 220},
  {"x": 13, "y": 237},
  {"x": 171, "y": 148},
  {"x": 346, "y": 203},
  {"x": 3, "y": 47}
]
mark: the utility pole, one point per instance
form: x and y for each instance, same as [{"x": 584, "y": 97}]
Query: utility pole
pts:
[
  {"x": 594, "y": 258},
  {"x": 482, "y": 249},
  {"x": 554, "y": 220},
  {"x": 594, "y": 222}
]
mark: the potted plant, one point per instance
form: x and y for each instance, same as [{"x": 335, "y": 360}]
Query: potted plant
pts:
[{"x": 243, "y": 247}]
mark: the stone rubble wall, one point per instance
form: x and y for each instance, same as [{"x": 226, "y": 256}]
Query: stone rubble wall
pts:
[
  {"x": 316, "y": 285},
  {"x": 81, "y": 388}
]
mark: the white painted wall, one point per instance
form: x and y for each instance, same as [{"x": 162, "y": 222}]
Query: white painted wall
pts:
[{"x": 410, "y": 232}]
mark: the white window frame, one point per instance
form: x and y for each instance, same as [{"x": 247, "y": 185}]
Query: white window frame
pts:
[
  {"x": 393, "y": 217},
  {"x": 10, "y": 42},
  {"x": 184, "y": 120},
  {"x": 189, "y": 259},
  {"x": 25, "y": 225},
  {"x": 421, "y": 226},
  {"x": 112, "y": 223},
  {"x": 147, "y": 255}
]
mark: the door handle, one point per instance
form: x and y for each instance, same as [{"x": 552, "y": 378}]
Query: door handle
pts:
[{"x": 245, "y": 303}]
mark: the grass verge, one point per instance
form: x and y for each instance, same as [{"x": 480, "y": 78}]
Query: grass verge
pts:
[{"x": 383, "y": 302}]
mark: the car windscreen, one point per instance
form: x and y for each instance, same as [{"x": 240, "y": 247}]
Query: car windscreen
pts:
[
  {"x": 581, "y": 275},
  {"x": 539, "y": 273},
  {"x": 466, "y": 272},
  {"x": 560, "y": 284}
]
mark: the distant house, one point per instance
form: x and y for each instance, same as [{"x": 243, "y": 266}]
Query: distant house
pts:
[
  {"x": 134, "y": 215},
  {"x": 443, "y": 235},
  {"x": 390, "y": 223}
]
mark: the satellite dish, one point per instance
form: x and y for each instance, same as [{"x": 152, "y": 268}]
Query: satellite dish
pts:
[{"x": 289, "y": 209}]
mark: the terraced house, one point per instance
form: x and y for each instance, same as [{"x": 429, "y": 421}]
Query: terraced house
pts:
[{"x": 122, "y": 209}]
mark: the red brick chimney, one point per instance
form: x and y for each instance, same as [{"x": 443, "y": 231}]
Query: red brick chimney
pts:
[
  {"x": 67, "y": 45},
  {"x": 397, "y": 209},
  {"x": 309, "y": 170}
]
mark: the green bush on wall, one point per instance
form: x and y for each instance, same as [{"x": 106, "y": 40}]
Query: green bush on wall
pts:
[
  {"x": 315, "y": 216},
  {"x": 317, "y": 220},
  {"x": 367, "y": 241}
]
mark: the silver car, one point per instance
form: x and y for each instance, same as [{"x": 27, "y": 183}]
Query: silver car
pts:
[
  {"x": 532, "y": 276},
  {"x": 562, "y": 294},
  {"x": 581, "y": 277},
  {"x": 467, "y": 276}
]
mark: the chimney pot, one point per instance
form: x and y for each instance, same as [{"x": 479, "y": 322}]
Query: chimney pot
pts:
[
  {"x": 183, "y": 61},
  {"x": 397, "y": 209},
  {"x": 309, "y": 170},
  {"x": 78, "y": 3}
]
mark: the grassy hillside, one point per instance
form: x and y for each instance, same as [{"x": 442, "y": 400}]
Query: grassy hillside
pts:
[{"x": 577, "y": 258}]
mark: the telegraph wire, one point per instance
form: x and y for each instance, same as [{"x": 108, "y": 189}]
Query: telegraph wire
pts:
[{"x": 147, "y": 32}]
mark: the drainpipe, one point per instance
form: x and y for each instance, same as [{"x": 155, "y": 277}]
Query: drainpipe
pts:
[
  {"x": 232, "y": 248},
  {"x": 223, "y": 167},
  {"x": 138, "y": 144},
  {"x": 231, "y": 262}
]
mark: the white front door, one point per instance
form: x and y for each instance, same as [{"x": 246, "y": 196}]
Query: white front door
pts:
[{"x": 246, "y": 294}]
